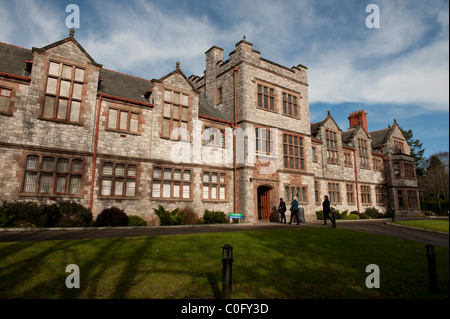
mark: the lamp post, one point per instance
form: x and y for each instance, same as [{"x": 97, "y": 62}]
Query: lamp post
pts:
[
  {"x": 432, "y": 272},
  {"x": 227, "y": 261}
]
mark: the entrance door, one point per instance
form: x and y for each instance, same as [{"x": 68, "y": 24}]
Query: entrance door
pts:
[{"x": 264, "y": 202}]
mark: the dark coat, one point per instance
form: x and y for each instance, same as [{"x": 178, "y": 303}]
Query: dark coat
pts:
[
  {"x": 282, "y": 207},
  {"x": 326, "y": 206}
]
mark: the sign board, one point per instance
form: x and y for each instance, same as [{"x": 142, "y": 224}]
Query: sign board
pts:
[{"x": 234, "y": 216}]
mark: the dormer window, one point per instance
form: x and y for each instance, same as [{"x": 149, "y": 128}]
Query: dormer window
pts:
[
  {"x": 63, "y": 92},
  {"x": 332, "y": 148}
]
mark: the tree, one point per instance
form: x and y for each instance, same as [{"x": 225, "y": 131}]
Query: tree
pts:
[
  {"x": 434, "y": 183},
  {"x": 416, "y": 150}
]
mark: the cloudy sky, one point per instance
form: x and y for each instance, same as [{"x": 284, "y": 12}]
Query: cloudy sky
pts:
[{"x": 399, "y": 70}]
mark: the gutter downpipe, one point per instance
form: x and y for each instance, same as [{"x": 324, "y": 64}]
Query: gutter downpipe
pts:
[
  {"x": 97, "y": 122},
  {"x": 234, "y": 140},
  {"x": 356, "y": 179}
]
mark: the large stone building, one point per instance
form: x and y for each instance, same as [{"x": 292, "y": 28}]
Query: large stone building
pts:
[{"x": 235, "y": 139}]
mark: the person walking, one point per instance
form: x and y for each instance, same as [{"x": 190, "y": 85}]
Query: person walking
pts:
[
  {"x": 294, "y": 210},
  {"x": 282, "y": 210},
  {"x": 326, "y": 210}
]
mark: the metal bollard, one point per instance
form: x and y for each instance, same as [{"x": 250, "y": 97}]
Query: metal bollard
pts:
[
  {"x": 432, "y": 272},
  {"x": 227, "y": 261}
]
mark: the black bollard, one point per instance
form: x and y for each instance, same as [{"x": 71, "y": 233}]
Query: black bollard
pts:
[
  {"x": 227, "y": 261},
  {"x": 432, "y": 272}
]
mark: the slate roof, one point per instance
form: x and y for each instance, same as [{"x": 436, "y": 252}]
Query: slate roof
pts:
[
  {"x": 13, "y": 59},
  {"x": 379, "y": 137},
  {"x": 206, "y": 109},
  {"x": 124, "y": 86}
]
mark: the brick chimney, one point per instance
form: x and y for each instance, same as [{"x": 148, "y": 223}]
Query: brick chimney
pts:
[{"x": 358, "y": 118}]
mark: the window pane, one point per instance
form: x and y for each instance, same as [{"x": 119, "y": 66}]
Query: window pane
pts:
[
  {"x": 62, "y": 109},
  {"x": 75, "y": 184},
  {"x": 156, "y": 189},
  {"x": 156, "y": 173},
  {"x": 214, "y": 178},
  {"x": 67, "y": 72},
  {"x": 77, "y": 89},
  {"x": 76, "y": 166},
  {"x": 48, "y": 163},
  {"x": 64, "y": 88},
  {"x": 75, "y": 111},
  {"x": 176, "y": 112},
  {"x": 186, "y": 191},
  {"x": 51, "y": 85},
  {"x": 4, "y": 103},
  {"x": 166, "y": 190},
  {"x": 131, "y": 171},
  {"x": 166, "y": 127},
  {"x": 186, "y": 175},
  {"x": 176, "y": 190},
  {"x": 184, "y": 113},
  {"x": 30, "y": 182},
  {"x": 106, "y": 187},
  {"x": 54, "y": 69},
  {"x": 118, "y": 187},
  {"x": 167, "y": 96},
  {"x": 205, "y": 192},
  {"x": 45, "y": 183},
  {"x": 185, "y": 100},
  {"x": 79, "y": 74},
  {"x": 177, "y": 174},
  {"x": 176, "y": 98},
  {"x": 112, "y": 118},
  {"x": 131, "y": 188},
  {"x": 167, "y": 173},
  {"x": 222, "y": 192},
  {"x": 205, "y": 177},
  {"x": 62, "y": 165},
  {"x": 61, "y": 184},
  {"x": 166, "y": 110},
  {"x": 107, "y": 169},
  {"x": 120, "y": 170},
  {"x": 214, "y": 192},
  {"x": 222, "y": 178},
  {"x": 123, "y": 120},
  {"x": 134, "y": 122},
  {"x": 32, "y": 162}
]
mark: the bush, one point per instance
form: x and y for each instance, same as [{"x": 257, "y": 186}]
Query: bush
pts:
[
  {"x": 134, "y": 220},
  {"x": 112, "y": 217},
  {"x": 372, "y": 212},
  {"x": 23, "y": 214},
  {"x": 214, "y": 217},
  {"x": 190, "y": 216},
  {"x": 168, "y": 218},
  {"x": 352, "y": 217},
  {"x": 5, "y": 217},
  {"x": 67, "y": 214},
  {"x": 319, "y": 215}
]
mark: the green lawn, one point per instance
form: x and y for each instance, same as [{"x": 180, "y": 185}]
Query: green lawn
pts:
[
  {"x": 436, "y": 224},
  {"x": 282, "y": 263}
]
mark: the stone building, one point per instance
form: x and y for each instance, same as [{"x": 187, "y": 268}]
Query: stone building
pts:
[{"x": 235, "y": 139}]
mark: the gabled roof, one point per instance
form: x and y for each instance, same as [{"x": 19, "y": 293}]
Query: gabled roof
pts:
[
  {"x": 380, "y": 137},
  {"x": 72, "y": 39},
  {"x": 13, "y": 59},
  {"x": 124, "y": 86},
  {"x": 315, "y": 127},
  {"x": 177, "y": 70}
]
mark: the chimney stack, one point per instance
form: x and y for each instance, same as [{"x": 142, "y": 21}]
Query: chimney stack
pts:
[{"x": 358, "y": 118}]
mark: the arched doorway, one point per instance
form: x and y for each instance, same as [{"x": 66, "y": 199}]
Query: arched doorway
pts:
[{"x": 264, "y": 202}]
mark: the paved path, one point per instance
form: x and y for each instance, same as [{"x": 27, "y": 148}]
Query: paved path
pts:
[{"x": 371, "y": 226}]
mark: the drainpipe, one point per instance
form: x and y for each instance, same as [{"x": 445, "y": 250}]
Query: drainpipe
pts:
[
  {"x": 356, "y": 179},
  {"x": 95, "y": 150},
  {"x": 387, "y": 180},
  {"x": 234, "y": 141}
]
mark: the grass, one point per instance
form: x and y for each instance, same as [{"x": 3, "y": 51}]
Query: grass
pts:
[
  {"x": 282, "y": 263},
  {"x": 441, "y": 225}
]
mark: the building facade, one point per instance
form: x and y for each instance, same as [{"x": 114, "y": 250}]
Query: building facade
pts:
[{"x": 235, "y": 139}]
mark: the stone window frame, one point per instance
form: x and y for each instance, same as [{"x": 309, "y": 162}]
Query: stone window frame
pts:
[
  {"x": 169, "y": 116},
  {"x": 365, "y": 192},
  {"x": 264, "y": 141},
  {"x": 289, "y": 98},
  {"x": 220, "y": 184},
  {"x": 299, "y": 191},
  {"x": 7, "y": 97},
  {"x": 363, "y": 152},
  {"x": 57, "y": 95},
  {"x": 290, "y": 157},
  {"x": 350, "y": 192},
  {"x": 334, "y": 194},
  {"x": 118, "y": 126},
  {"x": 218, "y": 134},
  {"x": 331, "y": 138},
  {"x": 263, "y": 96},
  {"x": 403, "y": 170},
  {"x": 377, "y": 164},
  {"x": 53, "y": 166},
  {"x": 348, "y": 159},
  {"x": 380, "y": 195},
  {"x": 399, "y": 146},
  {"x": 162, "y": 179},
  {"x": 114, "y": 177},
  {"x": 317, "y": 192}
]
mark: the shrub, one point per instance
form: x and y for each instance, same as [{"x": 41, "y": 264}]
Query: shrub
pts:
[
  {"x": 134, "y": 220},
  {"x": 372, "y": 212},
  {"x": 319, "y": 215},
  {"x": 168, "y": 218},
  {"x": 24, "y": 214},
  {"x": 5, "y": 217},
  {"x": 214, "y": 217},
  {"x": 344, "y": 214},
  {"x": 67, "y": 214},
  {"x": 112, "y": 217},
  {"x": 190, "y": 216},
  {"x": 352, "y": 216}
]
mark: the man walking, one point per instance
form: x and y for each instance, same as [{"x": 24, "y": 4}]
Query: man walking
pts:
[{"x": 282, "y": 210}]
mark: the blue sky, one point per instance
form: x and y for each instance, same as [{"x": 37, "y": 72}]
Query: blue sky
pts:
[{"x": 400, "y": 70}]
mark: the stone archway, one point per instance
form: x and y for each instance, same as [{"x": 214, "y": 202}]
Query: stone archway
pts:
[{"x": 264, "y": 202}]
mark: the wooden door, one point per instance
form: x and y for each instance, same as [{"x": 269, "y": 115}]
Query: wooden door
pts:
[{"x": 265, "y": 205}]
